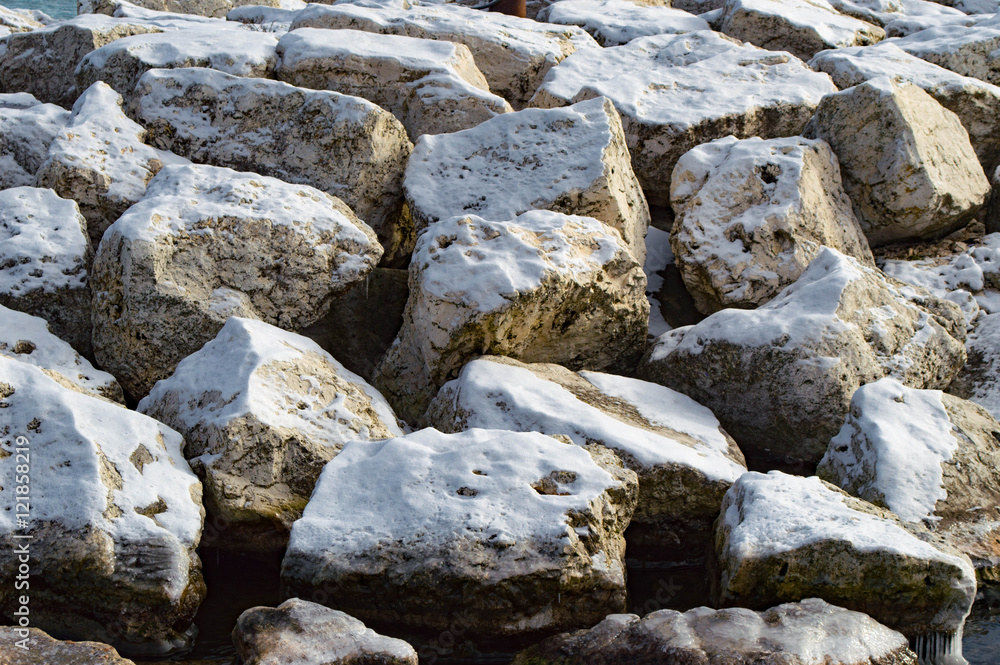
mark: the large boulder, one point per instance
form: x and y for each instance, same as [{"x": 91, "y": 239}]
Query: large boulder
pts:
[
  {"x": 433, "y": 87},
  {"x": 514, "y": 54},
  {"x": 780, "y": 377},
  {"x": 572, "y": 160},
  {"x": 543, "y": 287},
  {"x": 30, "y": 646},
  {"x": 971, "y": 50},
  {"x": 929, "y": 458},
  {"x": 346, "y": 146},
  {"x": 114, "y": 518},
  {"x": 310, "y": 634},
  {"x": 684, "y": 460},
  {"x": 675, "y": 92},
  {"x": 27, "y": 129},
  {"x": 513, "y": 534},
  {"x": 810, "y": 632},
  {"x": 212, "y": 8},
  {"x": 261, "y": 411},
  {"x": 750, "y": 215},
  {"x": 44, "y": 255},
  {"x": 906, "y": 160},
  {"x": 783, "y": 538},
  {"x": 617, "y": 22},
  {"x": 99, "y": 160},
  {"x": 206, "y": 243}
]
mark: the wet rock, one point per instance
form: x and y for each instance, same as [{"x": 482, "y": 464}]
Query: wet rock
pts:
[
  {"x": 27, "y": 128},
  {"x": 44, "y": 650}
]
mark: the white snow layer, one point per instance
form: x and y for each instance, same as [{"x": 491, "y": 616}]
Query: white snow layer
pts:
[{"x": 615, "y": 22}]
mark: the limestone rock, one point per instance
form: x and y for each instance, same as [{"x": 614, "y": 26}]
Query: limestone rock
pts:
[
  {"x": 115, "y": 517},
  {"x": 801, "y": 27},
  {"x": 616, "y": 22},
  {"x": 751, "y": 215},
  {"x": 684, "y": 460},
  {"x": 675, "y": 92},
  {"x": 261, "y": 411},
  {"x": 510, "y": 533},
  {"x": 44, "y": 650},
  {"x": 346, "y": 146},
  {"x": 544, "y": 287},
  {"x": 42, "y": 61},
  {"x": 877, "y": 12},
  {"x": 514, "y": 54},
  {"x": 810, "y": 632},
  {"x": 27, "y": 128},
  {"x": 14, "y": 21},
  {"x": 99, "y": 160},
  {"x": 44, "y": 254},
  {"x": 906, "y": 161},
  {"x": 213, "y": 8},
  {"x": 571, "y": 160},
  {"x": 970, "y": 50},
  {"x": 783, "y": 538},
  {"x": 780, "y": 377},
  {"x": 311, "y": 634},
  {"x": 206, "y": 243}
]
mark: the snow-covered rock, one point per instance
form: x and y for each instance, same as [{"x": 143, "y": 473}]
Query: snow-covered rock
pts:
[
  {"x": 616, "y": 22},
  {"x": 115, "y": 516},
  {"x": 206, "y": 243},
  {"x": 675, "y": 92},
  {"x": 262, "y": 17},
  {"x": 979, "y": 380},
  {"x": 346, "y": 146},
  {"x": 161, "y": 19},
  {"x": 14, "y": 21},
  {"x": 993, "y": 210},
  {"x": 543, "y": 287},
  {"x": 810, "y": 632},
  {"x": 509, "y": 533},
  {"x": 44, "y": 650},
  {"x": 878, "y": 12},
  {"x": 782, "y": 538},
  {"x": 928, "y": 457},
  {"x": 120, "y": 64},
  {"x": 28, "y": 339},
  {"x": 780, "y": 377},
  {"x": 922, "y": 15},
  {"x": 969, "y": 50},
  {"x": 684, "y": 460},
  {"x": 514, "y": 54},
  {"x": 975, "y": 102},
  {"x": 310, "y": 634},
  {"x": 44, "y": 256},
  {"x": 99, "y": 160},
  {"x": 906, "y": 161},
  {"x": 750, "y": 216},
  {"x": 433, "y": 87},
  {"x": 212, "y": 8},
  {"x": 42, "y": 62},
  {"x": 572, "y": 160},
  {"x": 261, "y": 411},
  {"x": 27, "y": 129},
  {"x": 801, "y": 27}
]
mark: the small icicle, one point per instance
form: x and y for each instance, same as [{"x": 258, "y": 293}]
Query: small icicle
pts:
[{"x": 939, "y": 648}]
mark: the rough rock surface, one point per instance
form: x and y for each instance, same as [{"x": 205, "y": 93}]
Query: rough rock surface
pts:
[
  {"x": 684, "y": 460},
  {"x": 979, "y": 380},
  {"x": 675, "y": 92},
  {"x": 310, "y": 634},
  {"x": 510, "y": 533},
  {"x": 14, "y": 21},
  {"x": 44, "y": 650},
  {"x": 206, "y": 243},
  {"x": 115, "y": 517},
  {"x": 993, "y": 212},
  {"x": 346, "y": 146},
  {"x": 433, "y": 87},
  {"x": 99, "y": 160},
  {"x": 213, "y": 8},
  {"x": 810, "y": 632},
  {"x": 906, "y": 161},
  {"x": 750, "y": 216},
  {"x": 617, "y": 22},
  {"x": 572, "y": 160},
  {"x": 780, "y": 377},
  {"x": 44, "y": 254},
  {"x": 27, "y": 128},
  {"x": 544, "y": 287},
  {"x": 513, "y": 54},
  {"x": 783, "y": 538},
  {"x": 970, "y": 50},
  {"x": 261, "y": 411}
]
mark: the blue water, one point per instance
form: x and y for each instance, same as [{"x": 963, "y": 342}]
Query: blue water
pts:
[{"x": 54, "y": 8}]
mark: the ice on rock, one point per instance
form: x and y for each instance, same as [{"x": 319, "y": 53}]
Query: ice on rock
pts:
[
  {"x": 27, "y": 129},
  {"x": 616, "y": 22}
]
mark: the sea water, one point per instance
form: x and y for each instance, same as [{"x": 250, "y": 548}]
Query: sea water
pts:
[{"x": 54, "y": 8}]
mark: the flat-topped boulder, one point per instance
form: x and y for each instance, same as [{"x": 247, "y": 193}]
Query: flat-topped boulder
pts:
[
  {"x": 543, "y": 287},
  {"x": 970, "y": 50},
  {"x": 99, "y": 160},
  {"x": 750, "y": 215},
  {"x": 27, "y": 129},
  {"x": 114, "y": 520},
  {"x": 44, "y": 650},
  {"x": 512, "y": 534},
  {"x": 433, "y": 87},
  {"x": 684, "y": 460},
  {"x": 675, "y": 92},
  {"x": 44, "y": 257},
  {"x": 346, "y": 146},
  {"x": 572, "y": 160},
  {"x": 514, "y": 54},
  {"x": 616, "y": 22},
  {"x": 206, "y": 243},
  {"x": 261, "y": 411},
  {"x": 780, "y": 377},
  {"x": 212, "y": 8}
]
